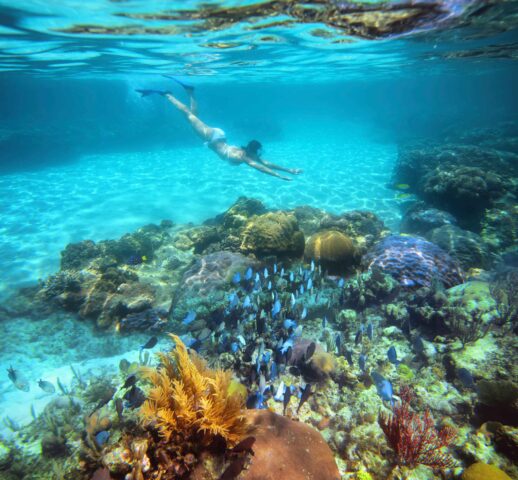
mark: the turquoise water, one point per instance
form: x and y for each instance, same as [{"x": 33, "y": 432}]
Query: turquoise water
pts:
[{"x": 83, "y": 156}]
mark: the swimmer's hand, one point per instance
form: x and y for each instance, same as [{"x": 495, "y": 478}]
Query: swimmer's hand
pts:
[{"x": 296, "y": 171}]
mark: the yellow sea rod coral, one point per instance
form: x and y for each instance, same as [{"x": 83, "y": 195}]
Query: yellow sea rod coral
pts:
[{"x": 190, "y": 402}]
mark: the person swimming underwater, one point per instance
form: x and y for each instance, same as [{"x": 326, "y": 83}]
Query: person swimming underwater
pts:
[{"x": 216, "y": 138}]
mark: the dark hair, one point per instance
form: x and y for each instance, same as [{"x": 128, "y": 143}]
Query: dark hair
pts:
[{"x": 253, "y": 147}]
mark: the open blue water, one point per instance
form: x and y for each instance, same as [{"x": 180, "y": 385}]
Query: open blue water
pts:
[{"x": 83, "y": 156}]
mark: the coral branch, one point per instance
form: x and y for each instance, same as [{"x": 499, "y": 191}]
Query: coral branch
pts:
[{"x": 414, "y": 438}]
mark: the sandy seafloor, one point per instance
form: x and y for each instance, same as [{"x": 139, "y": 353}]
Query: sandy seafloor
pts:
[{"x": 105, "y": 196}]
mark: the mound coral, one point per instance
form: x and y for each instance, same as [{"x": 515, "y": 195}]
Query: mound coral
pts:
[
  {"x": 420, "y": 219},
  {"x": 288, "y": 449},
  {"x": 467, "y": 247},
  {"x": 482, "y": 471},
  {"x": 190, "y": 404},
  {"x": 413, "y": 262},
  {"x": 273, "y": 233},
  {"x": 334, "y": 250}
]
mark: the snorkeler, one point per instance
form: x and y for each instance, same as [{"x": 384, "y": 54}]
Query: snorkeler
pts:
[{"x": 216, "y": 139}]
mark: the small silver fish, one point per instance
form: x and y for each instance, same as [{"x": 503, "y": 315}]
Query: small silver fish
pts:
[
  {"x": 19, "y": 382},
  {"x": 47, "y": 387}
]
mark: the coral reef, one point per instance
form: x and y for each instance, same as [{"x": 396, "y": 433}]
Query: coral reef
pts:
[
  {"x": 462, "y": 190},
  {"x": 300, "y": 347},
  {"x": 419, "y": 219},
  {"x": 363, "y": 227},
  {"x": 273, "y": 233},
  {"x": 468, "y": 248},
  {"x": 464, "y": 178},
  {"x": 289, "y": 449},
  {"x": 413, "y": 262},
  {"x": 332, "y": 249},
  {"x": 499, "y": 227}
]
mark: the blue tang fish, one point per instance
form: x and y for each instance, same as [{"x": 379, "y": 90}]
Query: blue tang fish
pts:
[
  {"x": 273, "y": 371},
  {"x": 247, "y": 302},
  {"x": 392, "y": 356},
  {"x": 233, "y": 300},
  {"x": 189, "y": 318},
  {"x": 236, "y": 278},
  {"x": 383, "y": 387},
  {"x": 288, "y": 323},
  {"x": 287, "y": 344},
  {"x": 248, "y": 274},
  {"x": 466, "y": 378},
  {"x": 276, "y": 308}
]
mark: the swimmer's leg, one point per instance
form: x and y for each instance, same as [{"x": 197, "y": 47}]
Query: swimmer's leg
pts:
[
  {"x": 189, "y": 89},
  {"x": 202, "y": 129}
]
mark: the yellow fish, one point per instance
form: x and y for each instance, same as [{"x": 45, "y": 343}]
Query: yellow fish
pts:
[
  {"x": 401, "y": 196},
  {"x": 144, "y": 258},
  {"x": 402, "y": 186}
]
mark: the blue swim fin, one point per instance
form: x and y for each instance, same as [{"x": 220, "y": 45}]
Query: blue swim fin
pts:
[
  {"x": 146, "y": 92},
  {"x": 187, "y": 86}
]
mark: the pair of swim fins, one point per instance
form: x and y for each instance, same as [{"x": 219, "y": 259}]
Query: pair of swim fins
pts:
[{"x": 186, "y": 86}]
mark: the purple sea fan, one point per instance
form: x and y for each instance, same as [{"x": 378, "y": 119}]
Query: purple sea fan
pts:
[{"x": 413, "y": 261}]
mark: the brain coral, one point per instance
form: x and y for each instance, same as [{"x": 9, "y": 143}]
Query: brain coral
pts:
[
  {"x": 273, "y": 233},
  {"x": 413, "y": 262},
  {"x": 332, "y": 248}
]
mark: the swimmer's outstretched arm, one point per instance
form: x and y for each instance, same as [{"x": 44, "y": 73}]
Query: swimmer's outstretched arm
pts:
[
  {"x": 262, "y": 168},
  {"x": 273, "y": 166}
]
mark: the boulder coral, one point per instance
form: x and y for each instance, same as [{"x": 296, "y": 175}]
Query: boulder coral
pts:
[
  {"x": 483, "y": 471},
  {"x": 420, "y": 219},
  {"x": 364, "y": 228},
  {"x": 334, "y": 250},
  {"x": 413, "y": 262},
  {"x": 467, "y": 247},
  {"x": 273, "y": 233},
  {"x": 287, "y": 449},
  {"x": 462, "y": 190}
]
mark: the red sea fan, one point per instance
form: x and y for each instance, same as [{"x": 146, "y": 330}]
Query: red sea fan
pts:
[{"x": 414, "y": 437}]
